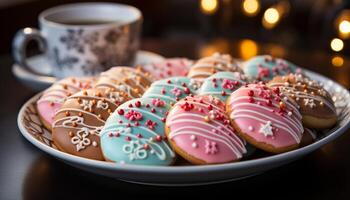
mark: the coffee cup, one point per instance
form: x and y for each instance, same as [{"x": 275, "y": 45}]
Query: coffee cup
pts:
[{"x": 83, "y": 39}]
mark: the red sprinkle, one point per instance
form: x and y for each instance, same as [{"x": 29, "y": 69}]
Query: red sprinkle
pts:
[
  {"x": 138, "y": 104},
  {"x": 169, "y": 81},
  {"x": 183, "y": 84},
  {"x": 146, "y": 146},
  {"x": 128, "y": 138},
  {"x": 139, "y": 135},
  {"x": 250, "y": 93},
  {"x": 159, "y": 138},
  {"x": 251, "y": 100},
  {"x": 223, "y": 93},
  {"x": 121, "y": 112},
  {"x": 210, "y": 107},
  {"x": 187, "y": 91},
  {"x": 153, "y": 110},
  {"x": 269, "y": 102}
]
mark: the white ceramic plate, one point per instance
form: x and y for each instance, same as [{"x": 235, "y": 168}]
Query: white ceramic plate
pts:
[
  {"x": 41, "y": 64},
  {"x": 31, "y": 128}
]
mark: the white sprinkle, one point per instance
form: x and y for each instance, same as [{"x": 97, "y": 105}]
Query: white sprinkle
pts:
[
  {"x": 290, "y": 113},
  {"x": 250, "y": 128},
  {"x": 194, "y": 145},
  {"x": 193, "y": 137},
  {"x": 94, "y": 143}
]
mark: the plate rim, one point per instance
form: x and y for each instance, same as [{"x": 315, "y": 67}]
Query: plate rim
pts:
[{"x": 180, "y": 169}]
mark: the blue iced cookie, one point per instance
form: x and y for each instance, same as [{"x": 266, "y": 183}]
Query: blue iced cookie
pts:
[
  {"x": 134, "y": 134},
  {"x": 265, "y": 67},
  {"x": 171, "y": 89},
  {"x": 222, "y": 84}
]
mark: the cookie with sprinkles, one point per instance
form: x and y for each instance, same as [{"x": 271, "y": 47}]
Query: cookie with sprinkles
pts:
[
  {"x": 53, "y": 97},
  {"x": 169, "y": 68},
  {"x": 208, "y": 66},
  {"x": 315, "y": 103},
  {"x": 265, "y": 118},
  {"x": 222, "y": 84},
  {"x": 199, "y": 130},
  {"x": 77, "y": 124},
  {"x": 133, "y": 81},
  {"x": 172, "y": 89},
  {"x": 265, "y": 67},
  {"x": 134, "y": 134}
]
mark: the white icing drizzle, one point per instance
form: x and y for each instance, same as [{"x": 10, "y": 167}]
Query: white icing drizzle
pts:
[
  {"x": 102, "y": 105},
  {"x": 287, "y": 123},
  {"x": 158, "y": 150},
  {"x": 300, "y": 94}
]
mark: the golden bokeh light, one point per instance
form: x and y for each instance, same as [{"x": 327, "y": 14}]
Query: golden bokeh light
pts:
[
  {"x": 337, "y": 61},
  {"x": 247, "y": 49},
  {"x": 337, "y": 44},
  {"x": 342, "y": 24},
  {"x": 217, "y": 45},
  {"x": 344, "y": 28},
  {"x": 271, "y": 18},
  {"x": 209, "y": 6},
  {"x": 250, "y": 7}
]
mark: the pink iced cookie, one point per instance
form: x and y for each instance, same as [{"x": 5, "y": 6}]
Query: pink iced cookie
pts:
[
  {"x": 199, "y": 130},
  {"x": 169, "y": 68},
  {"x": 53, "y": 97},
  {"x": 265, "y": 118}
]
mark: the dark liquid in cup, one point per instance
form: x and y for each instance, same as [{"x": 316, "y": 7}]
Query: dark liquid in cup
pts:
[{"x": 87, "y": 22}]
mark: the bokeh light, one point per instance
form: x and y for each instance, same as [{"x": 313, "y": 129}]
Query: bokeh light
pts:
[
  {"x": 337, "y": 61},
  {"x": 251, "y": 7},
  {"x": 209, "y": 6},
  {"x": 271, "y": 18},
  {"x": 344, "y": 28},
  {"x": 247, "y": 49},
  {"x": 337, "y": 44}
]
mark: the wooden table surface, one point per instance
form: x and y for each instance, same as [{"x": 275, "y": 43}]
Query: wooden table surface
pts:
[{"x": 28, "y": 173}]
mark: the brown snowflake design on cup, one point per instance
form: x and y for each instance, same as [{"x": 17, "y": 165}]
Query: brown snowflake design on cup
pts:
[{"x": 117, "y": 46}]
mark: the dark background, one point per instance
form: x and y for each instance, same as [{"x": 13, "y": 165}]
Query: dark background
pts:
[{"x": 307, "y": 24}]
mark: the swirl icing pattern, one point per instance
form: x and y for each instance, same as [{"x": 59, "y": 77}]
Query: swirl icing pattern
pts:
[
  {"x": 222, "y": 84},
  {"x": 132, "y": 81},
  {"x": 134, "y": 134},
  {"x": 53, "y": 97},
  {"x": 265, "y": 117},
  {"x": 265, "y": 67},
  {"x": 208, "y": 66},
  {"x": 172, "y": 89},
  {"x": 78, "y": 122},
  {"x": 199, "y": 130}
]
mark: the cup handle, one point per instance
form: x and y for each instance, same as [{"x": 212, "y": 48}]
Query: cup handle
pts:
[{"x": 19, "y": 45}]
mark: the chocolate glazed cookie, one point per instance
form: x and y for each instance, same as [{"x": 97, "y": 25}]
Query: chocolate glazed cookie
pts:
[
  {"x": 132, "y": 81},
  {"x": 315, "y": 103},
  {"x": 78, "y": 123}
]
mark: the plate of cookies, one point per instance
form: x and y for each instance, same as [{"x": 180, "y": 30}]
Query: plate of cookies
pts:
[{"x": 186, "y": 122}]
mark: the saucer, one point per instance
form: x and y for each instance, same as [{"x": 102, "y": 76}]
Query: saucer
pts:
[{"x": 41, "y": 64}]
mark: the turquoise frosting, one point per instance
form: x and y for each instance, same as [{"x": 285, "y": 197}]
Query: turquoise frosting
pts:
[
  {"x": 129, "y": 138},
  {"x": 274, "y": 66},
  {"x": 222, "y": 84},
  {"x": 171, "y": 89}
]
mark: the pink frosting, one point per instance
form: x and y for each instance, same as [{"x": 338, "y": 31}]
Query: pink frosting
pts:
[
  {"x": 169, "y": 68},
  {"x": 200, "y": 127},
  {"x": 53, "y": 97},
  {"x": 266, "y": 115}
]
